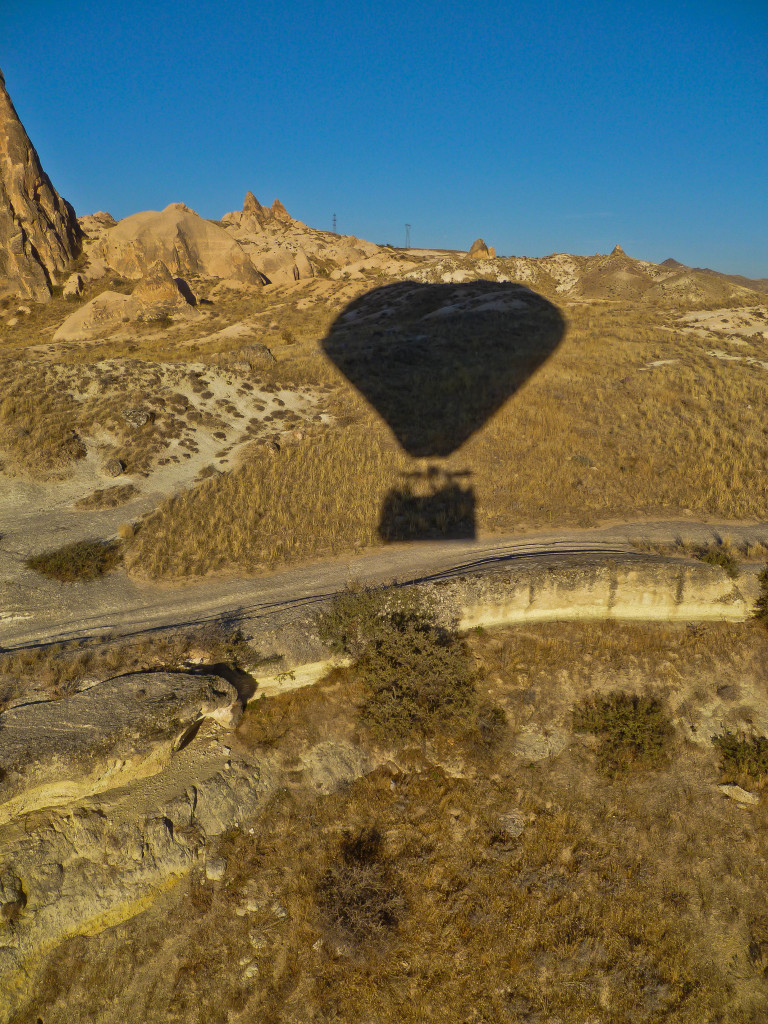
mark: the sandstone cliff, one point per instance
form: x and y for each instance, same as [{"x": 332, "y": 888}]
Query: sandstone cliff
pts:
[{"x": 39, "y": 233}]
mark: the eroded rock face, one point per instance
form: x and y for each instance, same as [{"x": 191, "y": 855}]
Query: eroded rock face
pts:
[
  {"x": 117, "y": 731},
  {"x": 39, "y": 232},
  {"x": 158, "y": 287},
  {"x": 106, "y": 798},
  {"x": 157, "y": 296},
  {"x": 186, "y": 243},
  {"x": 480, "y": 251}
]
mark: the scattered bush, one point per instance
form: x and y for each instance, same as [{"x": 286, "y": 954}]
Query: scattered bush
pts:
[
  {"x": 359, "y": 895},
  {"x": 108, "y": 497},
  {"x": 742, "y": 757},
  {"x": 418, "y": 676},
  {"x": 761, "y": 608},
  {"x": 83, "y": 560},
  {"x": 723, "y": 557},
  {"x": 634, "y": 731}
]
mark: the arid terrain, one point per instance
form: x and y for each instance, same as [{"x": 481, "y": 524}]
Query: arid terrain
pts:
[{"x": 527, "y": 786}]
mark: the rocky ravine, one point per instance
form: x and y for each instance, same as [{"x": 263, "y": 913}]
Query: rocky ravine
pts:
[
  {"x": 110, "y": 796},
  {"x": 106, "y": 798}
]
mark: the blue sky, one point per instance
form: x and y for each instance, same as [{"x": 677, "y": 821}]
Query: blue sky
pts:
[{"x": 546, "y": 127}]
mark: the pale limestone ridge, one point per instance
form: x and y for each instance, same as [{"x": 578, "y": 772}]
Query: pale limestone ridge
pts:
[
  {"x": 39, "y": 232},
  {"x": 113, "y": 794},
  {"x": 53, "y": 752}
]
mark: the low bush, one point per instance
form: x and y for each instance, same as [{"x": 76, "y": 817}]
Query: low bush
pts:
[
  {"x": 761, "y": 607},
  {"x": 634, "y": 731},
  {"x": 742, "y": 757},
  {"x": 418, "y": 677},
  {"x": 723, "y": 557},
  {"x": 108, "y": 497},
  {"x": 359, "y": 895},
  {"x": 83, "y": 560}
]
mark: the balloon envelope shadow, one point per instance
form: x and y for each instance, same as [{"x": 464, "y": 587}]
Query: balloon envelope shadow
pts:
[{"x": 436, "y": 361}]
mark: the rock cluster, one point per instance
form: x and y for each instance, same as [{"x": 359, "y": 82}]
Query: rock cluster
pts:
[
  {"x": 480, "y": 251},
  {"x": 158, "y": 296},
  {"x": 39, "y": 232},
  {"x": 186, "y": 243}
]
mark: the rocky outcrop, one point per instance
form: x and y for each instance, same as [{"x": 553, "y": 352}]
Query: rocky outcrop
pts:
[
  {"x": 480, "y": 251},
  {"x": 39, "y": 232},
  {"x": 279, "y": 212},
  {"x": 157, "y": 296},
  {"x": 74, "y": 287},
  {"x": 159, "y": 288},
  {"x": 118, "y": 731},
  {"x": 284, "y": 249},
  {"x": 106, "y": 799},
  {"x": 186, "y": 243}
]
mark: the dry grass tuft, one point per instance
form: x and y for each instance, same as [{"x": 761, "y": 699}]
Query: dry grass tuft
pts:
[
  {"x": 743, "y": 758},
  {"x": 108, "y": 497},
  {"x": 81, "y": 561}
]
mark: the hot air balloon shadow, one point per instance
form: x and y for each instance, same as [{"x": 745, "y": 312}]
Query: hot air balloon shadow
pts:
[{"x": 436, "y": 361}]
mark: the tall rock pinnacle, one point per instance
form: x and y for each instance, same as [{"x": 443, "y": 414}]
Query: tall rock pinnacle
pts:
[{"x": 39, "y": 233}]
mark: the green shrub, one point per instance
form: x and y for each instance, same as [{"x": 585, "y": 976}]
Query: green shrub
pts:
[
  {"x": 761, "y": 608},
  {"x": 417, "y": 676},
  {"x": 634, "y": 731},
  {"x": 359, "y": 895},
  {"x": 742, "y": 756},
  {"x": 723, "y": 558},
  {"x": 83, "y": 560}
]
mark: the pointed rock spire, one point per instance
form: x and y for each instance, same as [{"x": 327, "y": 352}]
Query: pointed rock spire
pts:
[
  {"x": 279, "y": 212},
  {"x": 39, "y": 233},
  {"x": 252, "y": 205}
]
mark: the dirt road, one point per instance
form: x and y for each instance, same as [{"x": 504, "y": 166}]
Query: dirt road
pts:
[{"x": 34, "y": 610}]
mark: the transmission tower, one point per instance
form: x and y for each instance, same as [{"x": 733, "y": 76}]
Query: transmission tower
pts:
[
  {"x": 334, "y": 223},
  {"x": 407, "y": 236}
]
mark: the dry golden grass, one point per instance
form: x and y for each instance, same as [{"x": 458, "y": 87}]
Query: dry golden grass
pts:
[
  {"x": 593, "y": 435},
  {"x": 309, "y": 500},
  {"x": 723, "y": 546},
  {"x": 596, "y": 433},
  {"x": 526, "y": 892}
]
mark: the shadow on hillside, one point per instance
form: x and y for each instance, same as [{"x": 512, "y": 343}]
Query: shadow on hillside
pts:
[{"x": 436, "y": 361}]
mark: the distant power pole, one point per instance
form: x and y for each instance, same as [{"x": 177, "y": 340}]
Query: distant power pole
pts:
[
  {"x": 407, "y": 236},
  {"x": 334, "y": 223}
]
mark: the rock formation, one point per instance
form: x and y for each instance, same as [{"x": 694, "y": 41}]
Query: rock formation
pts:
[
  {"x": 74, "y": 287},
  {"x": 157, "y": 296},
  {"x": 186, "y": 243},
  {"x": 279, "y": 212},
  {"x": 480, "y": 251},
  {"x": 39, "y": 233}
]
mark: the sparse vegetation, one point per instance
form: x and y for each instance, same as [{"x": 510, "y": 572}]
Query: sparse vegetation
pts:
[
  {"x": 533, "y": 890},
  {"x": 359, "y": 894},
  {"x": 418, "y": 677},
  {"x": 108, "y": 497},
  {"x": 761, "y": 606},
  {"x": 742, "y": 757},
  {"x": 722, "y": 551},
  {"x": 84, "y": 560},
  {"x": 634, "y": 731}
]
